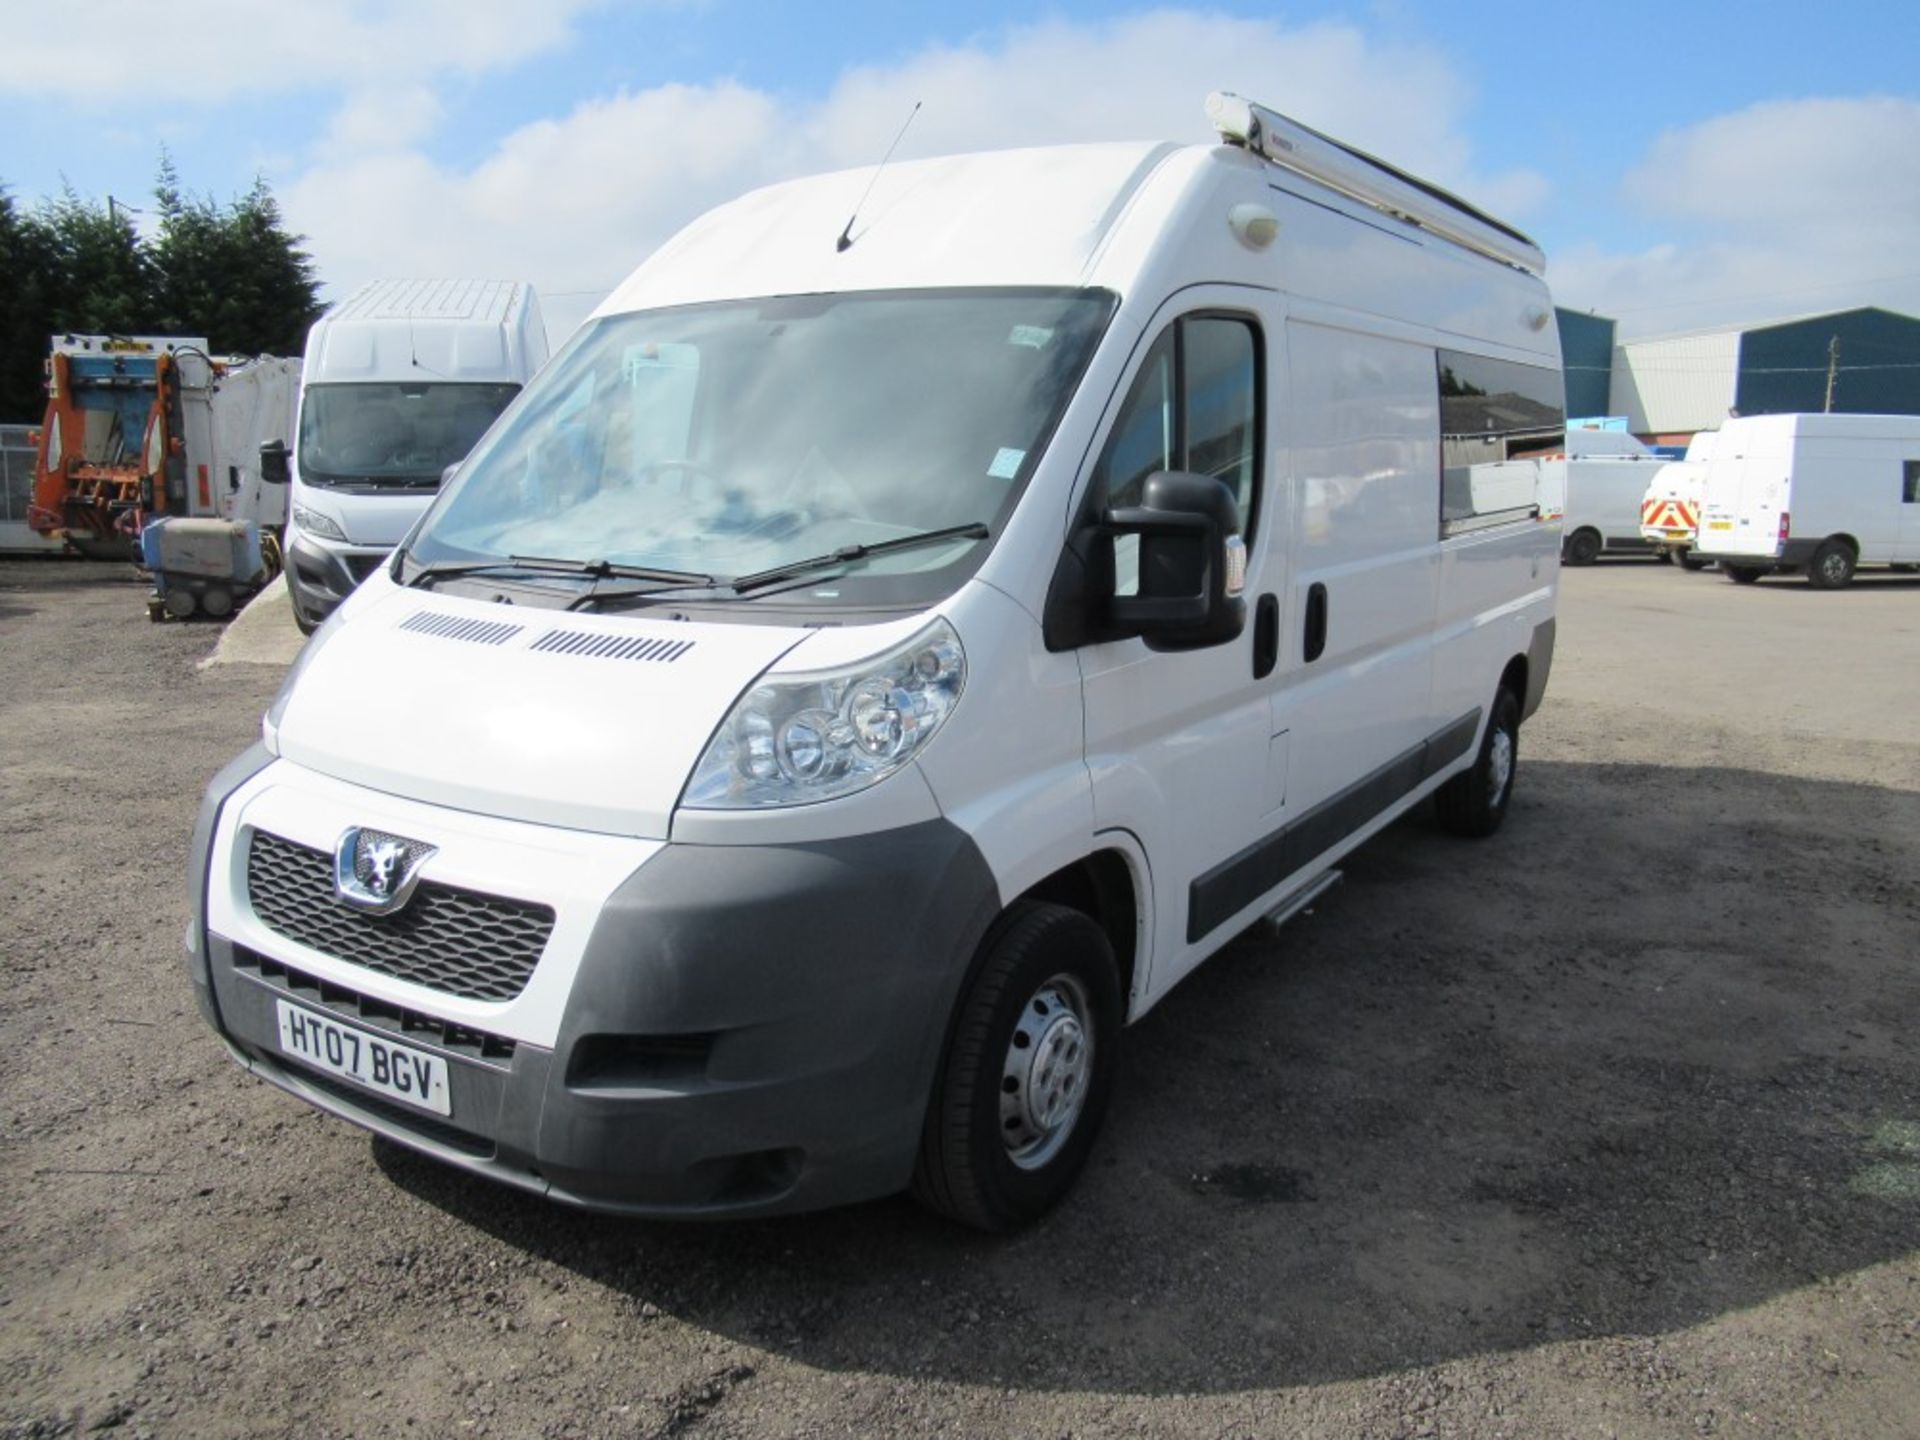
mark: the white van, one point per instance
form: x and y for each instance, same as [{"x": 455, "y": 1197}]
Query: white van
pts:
[
  {"x": 1670, "y": 510},
  {"x": 1813, "y": 494},
  {"x": 873, "y": 662},
  {"x": 400, "y": 379},
  {"x": 1598, "y": 484}
]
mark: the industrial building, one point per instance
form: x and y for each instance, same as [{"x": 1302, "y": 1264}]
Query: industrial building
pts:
[{"x": 1864, "y": 361}]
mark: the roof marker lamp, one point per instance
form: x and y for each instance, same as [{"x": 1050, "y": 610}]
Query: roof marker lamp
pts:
[{"x": 802, "y": 738}]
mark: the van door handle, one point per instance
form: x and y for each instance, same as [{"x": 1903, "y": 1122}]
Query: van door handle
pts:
[
  {"x": 1316, "y": 636},
  {"x": 1266, "y": 636}
]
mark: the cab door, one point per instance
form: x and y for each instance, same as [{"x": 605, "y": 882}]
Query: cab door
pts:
[{"x": 1178, "y": 741}]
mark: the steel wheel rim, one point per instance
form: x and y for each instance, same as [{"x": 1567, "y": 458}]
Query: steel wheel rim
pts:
[
  {"x": 1833, "y": 569},
  {"x": 1500, "y": 762},
  {"x": 1047, "y": 1072}
]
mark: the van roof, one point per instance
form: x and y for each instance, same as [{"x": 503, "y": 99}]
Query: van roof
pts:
[
  {"x": 999, "y": 218},
  {"x": 429, "y": 300}
]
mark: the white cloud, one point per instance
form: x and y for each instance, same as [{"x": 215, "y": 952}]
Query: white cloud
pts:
[
  {"x": 574, "y": 203},
  {"x": 385, "y": 119},
  {"x": 1782, "y": 207},
  {"x": 212, "y": 50}
]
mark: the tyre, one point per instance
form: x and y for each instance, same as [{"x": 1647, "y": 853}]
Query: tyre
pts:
[
  {"x": 217, "y": 602},
  {"x": 1687, "y": 560},
  {"x": 1028, "y": 1071},
  {"x": 1583, "y": 547},
  {"x": 1741, "y": 574},
  {"x": 1832, "y": 566},
  {"x": 1474, "y": 802}
]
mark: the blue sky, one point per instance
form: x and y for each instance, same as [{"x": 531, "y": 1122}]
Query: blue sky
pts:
[{"x": 1682, "y": 165}]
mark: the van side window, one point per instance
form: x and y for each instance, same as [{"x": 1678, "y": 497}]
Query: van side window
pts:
[
  {"x": 1495, "y": 417},
  {"x": 1194, "y": 406},
  {"x": 1910, "y": 492}
]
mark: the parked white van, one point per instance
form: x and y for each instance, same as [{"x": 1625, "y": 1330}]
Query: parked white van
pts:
[
  {"x": 1597, "y": 484},
  {"x": 400, "y": 379},
  {"x": 875, "y": 661},
  {"x": 1813, "y": 494},
  {"x": 1670, "y": 510}
]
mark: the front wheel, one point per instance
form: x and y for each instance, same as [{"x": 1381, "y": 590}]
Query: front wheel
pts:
[
  {"x": 1028, "y": 1071},
  {"x": 1741, "y": 574},
  {"x": 1583, "y": 547},
  {"x": 1474, "y": 802},
  {"x": 1687, "y": 560}
]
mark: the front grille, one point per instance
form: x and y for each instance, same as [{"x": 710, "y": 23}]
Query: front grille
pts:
[
  {"x": 402, "y": 1023},
  {"x": 460, "y": 942},
  {"x": 361, "y": 566}
]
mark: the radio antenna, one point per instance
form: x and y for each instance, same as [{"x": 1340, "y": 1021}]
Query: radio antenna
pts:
[{"x": 846, "y": 235}]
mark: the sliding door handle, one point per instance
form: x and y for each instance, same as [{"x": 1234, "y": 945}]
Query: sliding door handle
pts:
[{"x": 1315, "y": 639}]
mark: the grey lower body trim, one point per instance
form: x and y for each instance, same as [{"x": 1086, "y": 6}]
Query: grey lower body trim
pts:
[
  {"x": 242, "y": 768},
  {"x": 752, "y": 1030},
  {"x": 1233, "y": 884},
  {"x": 1539, "y": 665}
]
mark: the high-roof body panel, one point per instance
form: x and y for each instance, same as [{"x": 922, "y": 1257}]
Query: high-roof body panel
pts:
[
  {"x": 1005, "y": 218},
  {"x": 424, "y": 300}
]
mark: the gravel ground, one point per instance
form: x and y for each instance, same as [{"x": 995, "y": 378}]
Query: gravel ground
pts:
[{"x": 1609, "y": 1126}]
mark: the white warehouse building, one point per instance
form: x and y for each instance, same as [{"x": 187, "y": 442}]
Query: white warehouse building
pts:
[{"x": 1864, "y": 361}]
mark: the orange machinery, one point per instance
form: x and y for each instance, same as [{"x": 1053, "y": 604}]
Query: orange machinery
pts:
[{"x": 112, "y": 448}]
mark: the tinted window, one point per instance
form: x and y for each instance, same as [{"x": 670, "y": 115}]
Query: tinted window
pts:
[
  {"x": 1911, "y": 491},
  {"x": 1493, "y": 412}
]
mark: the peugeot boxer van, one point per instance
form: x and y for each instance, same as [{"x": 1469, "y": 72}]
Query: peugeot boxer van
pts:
[
  {"x": 874, "y": 662},
  {"x": 400, "y": 379}
]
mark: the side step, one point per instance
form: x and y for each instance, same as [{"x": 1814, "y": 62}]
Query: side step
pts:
[{"x": 1301, "y": 899}]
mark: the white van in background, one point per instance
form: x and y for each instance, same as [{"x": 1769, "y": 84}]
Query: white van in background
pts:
[
  {"x": 1670, "y": 510},
  {"x": 1813, "y": 494},
  {"x": 1597, "y": 485},
  {"x": 400, "y": 379},
  {"x": 856, "y": 679}
]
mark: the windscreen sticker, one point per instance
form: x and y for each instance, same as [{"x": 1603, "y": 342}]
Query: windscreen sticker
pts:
[
  {"x": 1006, "y": 463},
  {"x": 1034, "y": 337}
]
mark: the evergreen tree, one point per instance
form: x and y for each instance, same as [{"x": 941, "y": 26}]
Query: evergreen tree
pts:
[
  {"x": 101, "y": 280},
  {"x": 26, "y": 265},
  {"x": 230, "y": 273}
]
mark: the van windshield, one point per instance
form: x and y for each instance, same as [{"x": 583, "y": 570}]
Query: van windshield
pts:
[
  {"x": 733, "y": 439},
  {"x": 393, "y": 433}
]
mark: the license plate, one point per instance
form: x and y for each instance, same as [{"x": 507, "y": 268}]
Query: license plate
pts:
[{"x": 396, "y": 1071}]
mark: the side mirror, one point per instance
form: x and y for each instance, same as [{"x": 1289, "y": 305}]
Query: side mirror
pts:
[
  {"x": 274, "y": 468},
  {"x": 1192, "y": 563}
]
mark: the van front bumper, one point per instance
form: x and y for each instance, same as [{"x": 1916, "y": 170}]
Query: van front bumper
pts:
[
  {"x": 320, "y": 576},
  {"x": 751, "y": 1030}
]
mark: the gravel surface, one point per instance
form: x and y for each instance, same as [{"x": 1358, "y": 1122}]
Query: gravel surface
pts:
[{"x": 1609, "y": 1126}]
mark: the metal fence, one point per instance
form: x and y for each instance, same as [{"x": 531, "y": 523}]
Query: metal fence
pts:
[{"x": 16, "y": 472}]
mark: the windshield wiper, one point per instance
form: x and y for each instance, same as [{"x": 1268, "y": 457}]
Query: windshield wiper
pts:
[
  {"x": 847, "y": 554},
  {"x": 544, "y": 565}
]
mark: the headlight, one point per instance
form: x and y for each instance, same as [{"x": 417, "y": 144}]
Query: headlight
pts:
[
  {"x": 314, "y": 523},
  {"x": 796, "y": 739}
]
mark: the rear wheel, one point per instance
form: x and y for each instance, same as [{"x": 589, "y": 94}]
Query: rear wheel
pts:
[
  {"x": 1028, "y": 1071},
  {"x": 1474, "y": 802},
  {"x": 1687, "y": 560},
  {"x": 1741, "y": 574},
  {"x": 1583, "y": 547},
  {"x": 1832, "y": 566}
]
